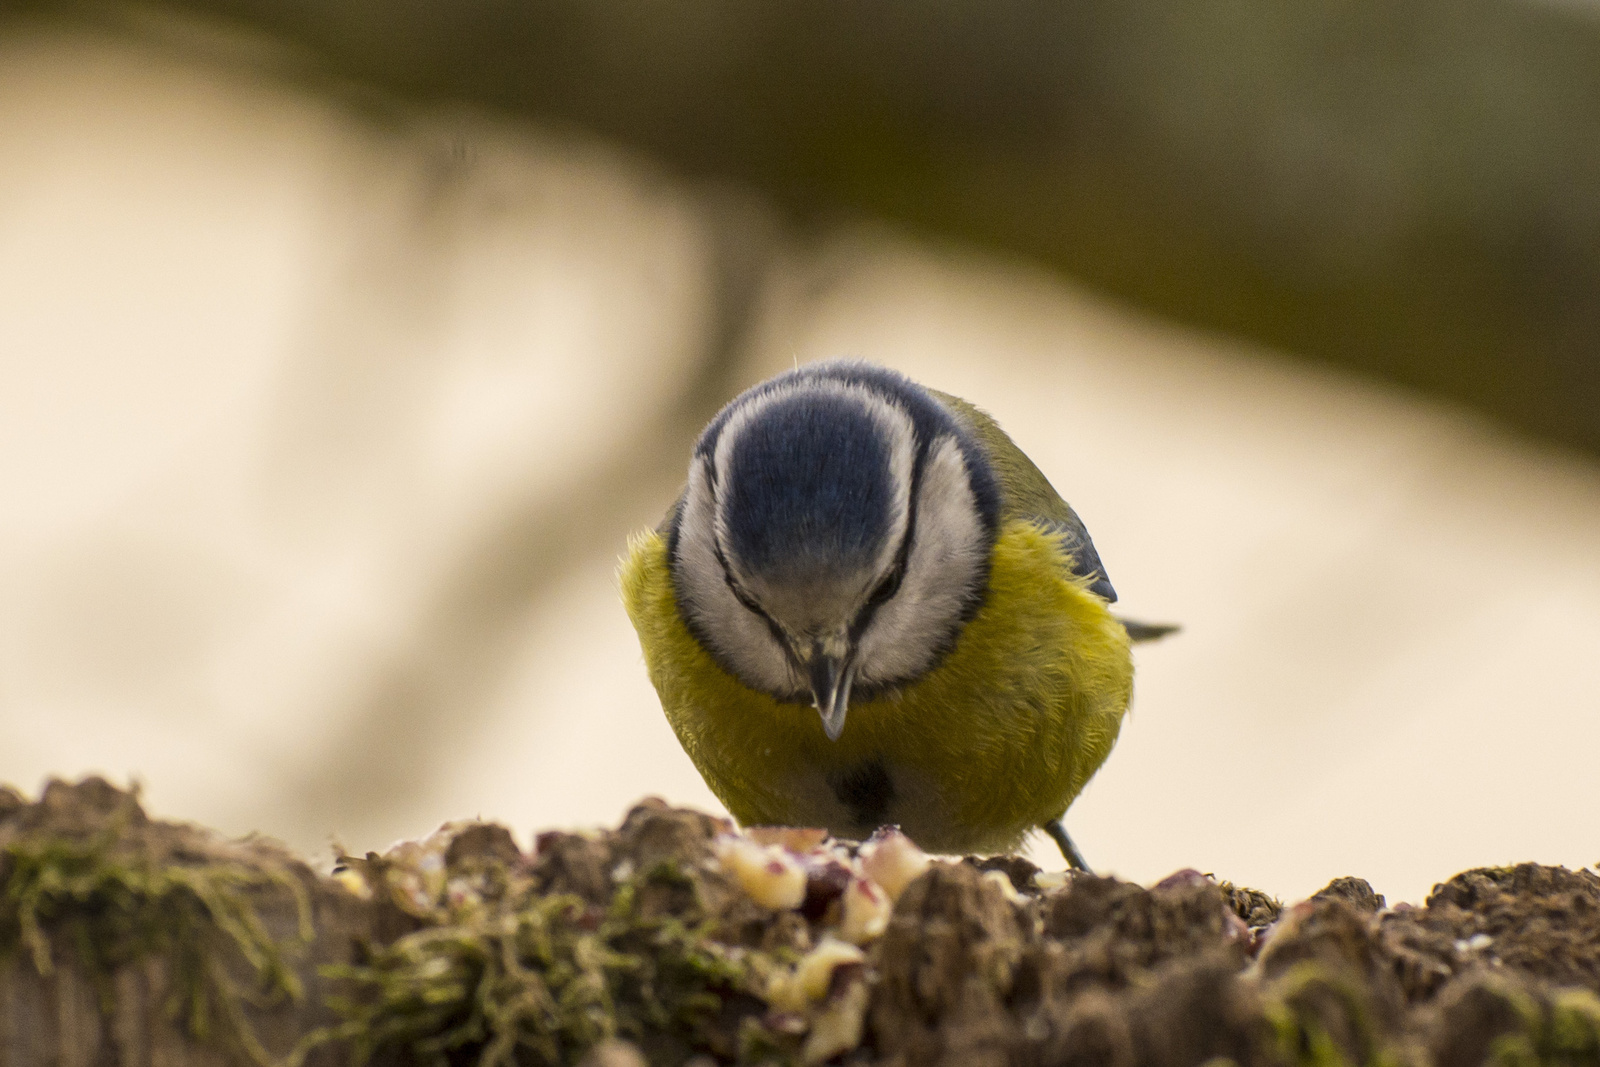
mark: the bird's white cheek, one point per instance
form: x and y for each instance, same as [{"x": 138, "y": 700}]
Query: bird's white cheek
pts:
[
  {"x": 943, "y": 568},
  {"x": 739, "y": 640}
]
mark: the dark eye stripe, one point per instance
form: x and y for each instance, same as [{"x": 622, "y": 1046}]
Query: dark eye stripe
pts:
[
  {"x": 891, "y": 582},
  {"x": 750, "y": 605}
]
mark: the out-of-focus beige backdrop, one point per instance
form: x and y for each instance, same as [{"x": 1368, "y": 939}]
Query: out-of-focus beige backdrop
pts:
[{"x": 323, "y": 423}]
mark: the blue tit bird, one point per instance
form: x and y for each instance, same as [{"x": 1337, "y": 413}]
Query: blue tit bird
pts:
[{"x": 869, "y": 607}]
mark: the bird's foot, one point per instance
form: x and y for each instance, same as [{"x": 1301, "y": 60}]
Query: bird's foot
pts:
[{"x": 1074, "y": 858}]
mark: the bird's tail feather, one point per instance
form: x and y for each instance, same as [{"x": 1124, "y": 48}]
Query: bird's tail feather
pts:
[{"x": 1147, "y": 631}]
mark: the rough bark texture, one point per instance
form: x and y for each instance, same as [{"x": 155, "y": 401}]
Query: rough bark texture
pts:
[{"x": 129, "y": 941}]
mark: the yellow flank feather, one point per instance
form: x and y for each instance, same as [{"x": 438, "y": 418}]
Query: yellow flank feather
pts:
[{"x": 999, "y": 738}]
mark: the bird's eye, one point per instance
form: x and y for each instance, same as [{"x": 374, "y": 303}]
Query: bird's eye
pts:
[
  {"x": 880, "y": 596},
  {"x": 890, "y": 584}
]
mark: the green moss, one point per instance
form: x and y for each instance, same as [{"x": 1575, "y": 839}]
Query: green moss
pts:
[
  {"x": 1559, "y": 1030},
  {"x": 1323, "y": 1017},
  {"x": 1573, "y": 1035},
  {"x": 539, "y": 979},
  {"x": 110, "y": 896},
  {"x": 1253, "y": 907}
]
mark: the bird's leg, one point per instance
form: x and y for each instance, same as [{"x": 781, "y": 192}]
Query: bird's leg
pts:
[{"x": 1059, "y": 832}]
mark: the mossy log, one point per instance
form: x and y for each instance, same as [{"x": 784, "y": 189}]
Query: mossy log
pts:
[{"x": 124, "y": 940}]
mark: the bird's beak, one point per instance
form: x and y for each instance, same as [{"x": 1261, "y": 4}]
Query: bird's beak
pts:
[{"x": 830, "y": 690}]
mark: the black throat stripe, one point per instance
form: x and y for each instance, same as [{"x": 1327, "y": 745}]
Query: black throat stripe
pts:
[{"x": 866, "y": 791}]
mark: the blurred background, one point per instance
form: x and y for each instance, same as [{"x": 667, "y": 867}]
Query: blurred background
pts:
[{"x": 343, "y": 345}]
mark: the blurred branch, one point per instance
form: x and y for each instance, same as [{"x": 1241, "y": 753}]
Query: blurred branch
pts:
[{"x": 1412, "y": 189}]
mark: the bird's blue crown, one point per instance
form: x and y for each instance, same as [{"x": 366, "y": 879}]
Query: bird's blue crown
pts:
[{"x": 810, "y": 478}]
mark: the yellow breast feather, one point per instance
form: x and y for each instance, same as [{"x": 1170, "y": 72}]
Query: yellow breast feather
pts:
[{"x": 999, "y": 738}]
